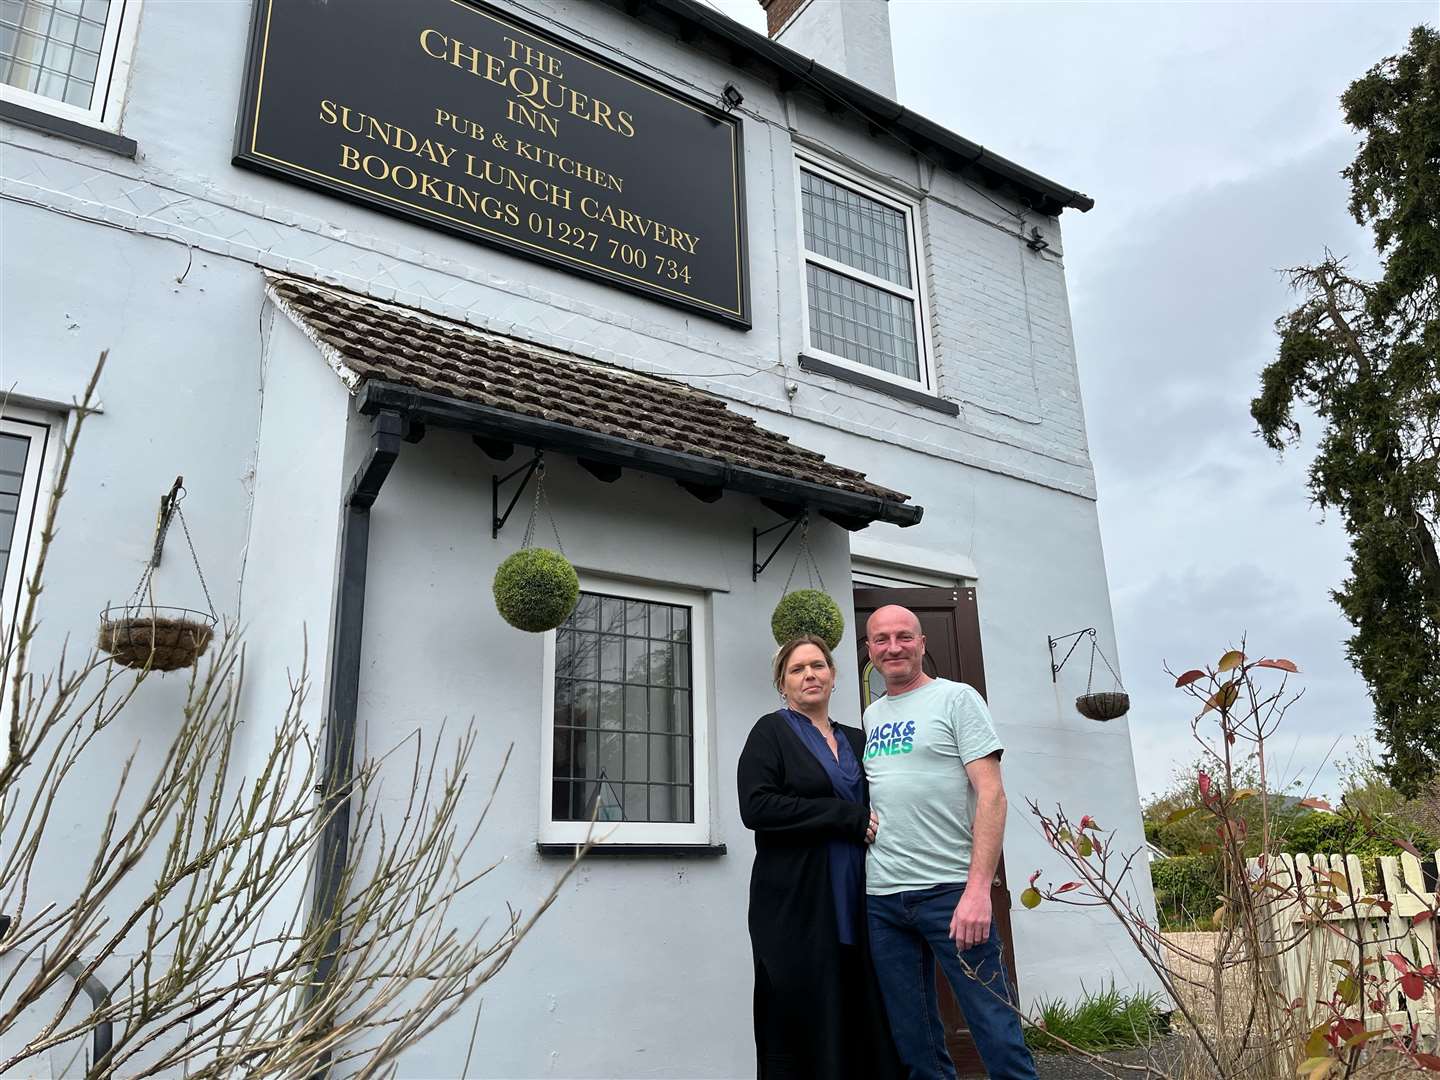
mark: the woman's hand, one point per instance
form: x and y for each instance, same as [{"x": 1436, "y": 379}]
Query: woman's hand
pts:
[{"x": 872, "y": 828}]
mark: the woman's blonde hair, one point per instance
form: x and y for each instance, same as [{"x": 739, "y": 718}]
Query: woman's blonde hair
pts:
[{"x": 782, "y": 658}]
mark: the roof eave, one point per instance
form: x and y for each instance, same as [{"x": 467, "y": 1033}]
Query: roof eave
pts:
[
  {"x": 1040, "y": 193},
  {"x": 435, "y": 410}
]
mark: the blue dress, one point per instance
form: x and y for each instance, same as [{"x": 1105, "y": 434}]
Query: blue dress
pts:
[{"x": 847, "y": 859}]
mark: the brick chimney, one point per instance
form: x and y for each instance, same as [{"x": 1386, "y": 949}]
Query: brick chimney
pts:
[{"x": 848, "y": 36}]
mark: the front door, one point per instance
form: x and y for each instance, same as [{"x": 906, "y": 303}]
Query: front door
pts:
[{"x": 951, "y": 624}]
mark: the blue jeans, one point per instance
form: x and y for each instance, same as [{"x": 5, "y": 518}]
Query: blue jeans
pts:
[{"x": 909, "y": 931}]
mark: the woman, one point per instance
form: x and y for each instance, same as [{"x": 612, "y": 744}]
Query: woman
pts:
[{"x": 818, "y": 1014}]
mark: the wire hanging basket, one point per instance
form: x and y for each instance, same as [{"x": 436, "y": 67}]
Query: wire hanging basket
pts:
[
  {"x": 1103, "y": 704},
  {"x": 152, "y": 637},
  {"x": 1093, "y": 705}
]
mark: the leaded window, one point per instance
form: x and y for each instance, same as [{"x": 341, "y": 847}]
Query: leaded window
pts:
[
  {"x": 627, "y": 716},
  {"x": 862, "y": 292}
]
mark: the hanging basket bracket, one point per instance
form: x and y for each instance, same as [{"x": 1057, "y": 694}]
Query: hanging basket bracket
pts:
[
  {"x": 497, "y": 519},
  {"x": 1055, "y": 643},
  {"x": 756, "y": 566},
  {"x": 168, "y": 502}
]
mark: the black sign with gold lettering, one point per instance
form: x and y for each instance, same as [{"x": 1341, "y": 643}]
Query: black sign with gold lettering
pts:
[{"x": 455, "y": 114}]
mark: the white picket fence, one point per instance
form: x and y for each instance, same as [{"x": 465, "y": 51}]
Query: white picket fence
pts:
[{"x": 1306, "y": 969}]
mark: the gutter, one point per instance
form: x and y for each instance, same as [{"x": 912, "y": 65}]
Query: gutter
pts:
[
  {"x": 850, "y": 510},
  {"x": 1049, "y": 197}
]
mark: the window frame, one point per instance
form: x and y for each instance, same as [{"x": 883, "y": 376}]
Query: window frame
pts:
[
  {"x": 117, "y": 51},
  {"x": 917, "y": 293},
  {"x": 35, "y": 486},
  {"x": 649, "y": 833}
]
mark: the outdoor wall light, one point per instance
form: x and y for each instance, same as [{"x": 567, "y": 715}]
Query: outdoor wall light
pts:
[
  {"x": 1036, "y": 242},
  {"x": 731, "y": 96}
]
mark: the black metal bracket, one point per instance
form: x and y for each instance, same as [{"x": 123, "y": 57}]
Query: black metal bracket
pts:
[
  {"x": 168, "y": 502},
  {"x": 756, "y": 566},
  {"x": 1054, "y": 641},
  {"x": 497, "y": 519}
]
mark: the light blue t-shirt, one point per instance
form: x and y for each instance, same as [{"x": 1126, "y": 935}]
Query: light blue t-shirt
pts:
[{"x": 917, "y": 745}]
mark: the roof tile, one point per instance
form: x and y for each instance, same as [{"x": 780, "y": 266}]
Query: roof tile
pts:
[{"x": 384, "y": 341}]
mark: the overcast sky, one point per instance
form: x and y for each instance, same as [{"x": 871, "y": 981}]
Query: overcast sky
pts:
[{"x": 1211, "y": 139}]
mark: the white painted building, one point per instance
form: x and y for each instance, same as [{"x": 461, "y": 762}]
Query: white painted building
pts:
[{"x": 263, "y": 333}]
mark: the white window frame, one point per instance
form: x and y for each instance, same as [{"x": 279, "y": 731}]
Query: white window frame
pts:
[
  {"x": 917, "y": 293},
  {"x": 44, "y": 432},
  {"x": 112, "y": 76},
  {"x": 622, "y": 833}
]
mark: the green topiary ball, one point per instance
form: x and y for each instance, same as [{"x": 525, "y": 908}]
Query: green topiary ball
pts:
[
  {"x": 807, "y": 611},
  {"x": 536, "y": 589}
]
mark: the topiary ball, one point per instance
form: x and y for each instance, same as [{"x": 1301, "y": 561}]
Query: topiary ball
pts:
[
  {"x": 536, "y": 589},
  {"x": 807, "y": 611}
]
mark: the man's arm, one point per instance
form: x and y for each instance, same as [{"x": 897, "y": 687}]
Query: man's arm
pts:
[{"x": 970, "y": 925}]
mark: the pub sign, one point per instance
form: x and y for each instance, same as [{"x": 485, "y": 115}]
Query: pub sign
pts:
[{"x": 455, "y": 114}]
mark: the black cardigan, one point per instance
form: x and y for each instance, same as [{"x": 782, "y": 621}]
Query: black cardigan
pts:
[{"x": 787, "y": 799}]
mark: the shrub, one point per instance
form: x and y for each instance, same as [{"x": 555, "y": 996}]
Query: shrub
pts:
[
  {"x": 536, "y": 589},
  {"x": 807, "y": 611},
  {"x": 1187, "y": 890},
  {"x": 1342, "y": 834}
]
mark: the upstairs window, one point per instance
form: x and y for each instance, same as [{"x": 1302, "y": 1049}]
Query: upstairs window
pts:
[
  {"x": 862, "y": 277},
  {"x": 68, "y": 58}
]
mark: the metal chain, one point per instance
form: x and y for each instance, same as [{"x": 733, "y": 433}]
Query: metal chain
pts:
[
  {"x": 147, "y": 577},
  {"x": 1095, "y": 648},
  {"x": 812, "y": 568},
  {"x": 541, "y": 497},
  {"x": 196, "y": 560},
  {"x": 816, "y": 567}
]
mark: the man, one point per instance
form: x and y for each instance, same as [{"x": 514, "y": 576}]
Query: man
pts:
[{"x": 933, "y": 762}]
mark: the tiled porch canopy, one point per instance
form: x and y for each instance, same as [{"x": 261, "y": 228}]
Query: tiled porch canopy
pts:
[{"x": 445, "y": 374}]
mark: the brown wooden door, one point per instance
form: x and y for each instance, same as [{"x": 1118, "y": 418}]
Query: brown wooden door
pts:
[{"x": 951, "y": 624}]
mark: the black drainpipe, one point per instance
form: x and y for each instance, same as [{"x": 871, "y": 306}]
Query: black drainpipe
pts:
[
  {"x": 102, "y": 1038},
  {"x": 345, "y": 694}
]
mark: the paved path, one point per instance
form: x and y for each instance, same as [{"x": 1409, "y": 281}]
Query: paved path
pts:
[{"x": 1071, "y": 1067}]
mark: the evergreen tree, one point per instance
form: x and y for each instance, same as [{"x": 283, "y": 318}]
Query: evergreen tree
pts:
[{"x": 1364, "y": 356}]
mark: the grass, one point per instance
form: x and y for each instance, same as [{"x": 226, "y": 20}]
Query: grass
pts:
[{"x": 1103, "y": 1020}]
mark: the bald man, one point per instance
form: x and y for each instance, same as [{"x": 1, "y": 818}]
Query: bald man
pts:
[{"x": 933, "y": 761}]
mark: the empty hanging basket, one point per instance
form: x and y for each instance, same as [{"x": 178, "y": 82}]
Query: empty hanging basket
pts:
[
  {"x": 158, "y": 638},
  {"x": 1093, "y": 705},
  {"x": 140, "y": 634},
  {"x": 1106, "y": 705}
]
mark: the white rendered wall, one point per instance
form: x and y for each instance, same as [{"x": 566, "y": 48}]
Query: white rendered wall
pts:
[
  {"x": 96, "y": 250},
  {"x": 174, "y": 403}
]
